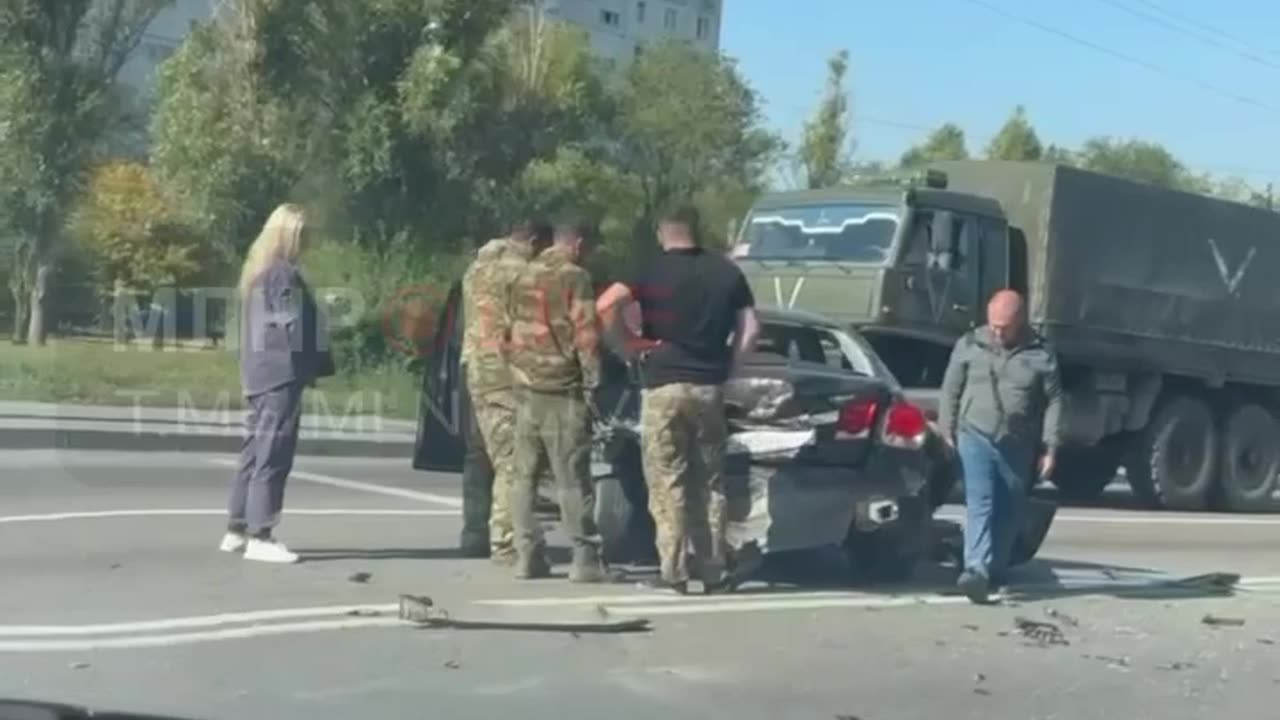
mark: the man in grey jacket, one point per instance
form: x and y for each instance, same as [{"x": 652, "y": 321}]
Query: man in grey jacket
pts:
[{"x": 1001, "y": 404}]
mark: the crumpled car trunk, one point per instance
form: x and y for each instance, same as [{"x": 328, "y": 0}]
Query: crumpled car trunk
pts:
[{"x": 788, "y": 486}]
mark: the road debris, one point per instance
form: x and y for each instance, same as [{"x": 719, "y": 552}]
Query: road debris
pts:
[
  {"x": 1216, "y": 581},
  {"x": 1215, "y": 621},
  {"x": 1120, "y": 662},
  {"x": 452, "y": 664},
  {"x": 360, "y": 577},
  {"x": 848, "y": 717},
  {"x": 1044, "y": 634},
  {"x": 982, "y": 691},
  {"x": 979, "y": 678},
  {"x": 421, "y": 610},
  {"x": 1062, "y": 617},
  {"x": 1176, "y": 666},
  {"x": 971, "y": 627},
  {"x": 360, "y": 612},
  {"x": 1266, "y": 641},
  {"x": 81, "y": 665}
]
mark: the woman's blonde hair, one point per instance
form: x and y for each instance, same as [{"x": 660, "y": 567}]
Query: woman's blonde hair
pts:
[{"x": 280, "y": 239}]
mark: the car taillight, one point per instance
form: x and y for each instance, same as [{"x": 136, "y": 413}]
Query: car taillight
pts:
[
  {"x": 856, "y": 420},
  {"x": 905, "y": 426}
]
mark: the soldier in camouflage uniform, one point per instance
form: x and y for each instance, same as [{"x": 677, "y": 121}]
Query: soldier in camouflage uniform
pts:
[
  {"x": 486, "y": 289},
  {"x": 555, "y": 364},
  {"x": 691, "y": 303}
]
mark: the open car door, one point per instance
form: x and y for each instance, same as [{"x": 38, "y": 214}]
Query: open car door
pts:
[{"x": 443, "y": 403}]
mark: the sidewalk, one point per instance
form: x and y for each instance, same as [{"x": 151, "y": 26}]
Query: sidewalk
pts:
[{"x": 25, "y": 425}]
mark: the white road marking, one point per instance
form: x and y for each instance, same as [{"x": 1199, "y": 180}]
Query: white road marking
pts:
[
  {"x": 1066, "y": 581},
  {"x": 155, "y": 641},
  {"x": 447, "y": 500},
  {"x": 325, "y": 512},
  {"x": 1137, "y": 519},
  {"x": 188, "y": 623}
]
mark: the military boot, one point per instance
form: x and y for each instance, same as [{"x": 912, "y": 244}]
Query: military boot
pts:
[
  {"x": 503, "y": 556},
  {"x": 588, "y": 567},
  {"x": 532, "y": 565}
]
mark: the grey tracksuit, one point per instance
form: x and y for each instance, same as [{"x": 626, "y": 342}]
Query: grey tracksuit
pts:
[{"x": 284, "y": 348}]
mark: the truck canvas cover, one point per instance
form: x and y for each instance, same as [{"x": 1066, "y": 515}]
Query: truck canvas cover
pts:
[{"x": 1137, "y": 276}]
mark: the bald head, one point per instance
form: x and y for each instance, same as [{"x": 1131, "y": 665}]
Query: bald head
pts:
[{"x": 1006, "y": 317}]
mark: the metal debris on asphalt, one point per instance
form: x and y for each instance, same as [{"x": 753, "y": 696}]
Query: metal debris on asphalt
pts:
[
  {"x": 971, "y": 627},
  {"x": 981, "y": 691},
  {"x": 1122, "y": 662},
  {"x": 1215, "y": 621},
  {"x": 364, "y": 613},
  {"x": 1266, "y": 641},
  {"x": 360, "y": 577},
  {"x": 1176, "y": 666},
  {"x": 979, "y": 678},
  {"x": 452, "y": 664},
  {"x": 1043, "y": 633},
  {"x": 421, "y": 610},
  {"x": 1061, "y": 616},
  {"x": 79, "y": 665}
]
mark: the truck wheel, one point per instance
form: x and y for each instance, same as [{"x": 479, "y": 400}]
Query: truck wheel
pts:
[
  {"x": 1174, "y": 460},
  {"x": 1250, "y": 460},
  {"x": 894, "y": 553},
  {"x": 1082, "y": 473}
]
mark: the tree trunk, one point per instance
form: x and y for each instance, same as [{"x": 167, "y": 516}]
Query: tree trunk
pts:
[
  {"x": 119, "y": 313},
  {"x": 20, "y": 297},
  {"x": 37, "y": 333}
]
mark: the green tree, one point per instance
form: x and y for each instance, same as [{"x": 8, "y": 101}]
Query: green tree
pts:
[
  {"x": 136, "y": 240},
  {"x": 1138, "y": 160},
  {"x": 827, "y": 147},
  {"x": 1059, "y": 155},
  {"x": 1017, "y": 140},
  {"x": 945, "y": 143},
  {"x": 689, "y": 124},
  {"x": 58, "y": 66}
]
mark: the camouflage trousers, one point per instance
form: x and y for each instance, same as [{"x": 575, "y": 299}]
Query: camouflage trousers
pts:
[
  {"x": 495, "y": 413},
  {"x": 684, "y": 434},
  {"x": 556, "y": 426}
]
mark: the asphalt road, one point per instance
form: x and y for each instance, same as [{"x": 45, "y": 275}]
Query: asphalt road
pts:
[{"x": 113, "y": 595}]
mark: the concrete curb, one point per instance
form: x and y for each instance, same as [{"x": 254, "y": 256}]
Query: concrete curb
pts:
[
  {"x": 44, "y": 426},
  {"x": 71, "y": 439}
]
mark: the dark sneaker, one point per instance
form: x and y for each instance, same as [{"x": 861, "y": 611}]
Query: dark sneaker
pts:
[{"x": 975, "y": 586}]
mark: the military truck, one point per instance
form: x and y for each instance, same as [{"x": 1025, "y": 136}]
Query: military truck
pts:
[{"x": 1163, "y": 306}]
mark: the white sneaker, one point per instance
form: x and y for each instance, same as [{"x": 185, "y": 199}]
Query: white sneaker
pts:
[
  {"x": 270, "y": 551},
  {"x": 233, "y": 543}
]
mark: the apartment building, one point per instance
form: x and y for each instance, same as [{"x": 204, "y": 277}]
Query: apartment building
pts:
[{"x": 620, "y": 29}]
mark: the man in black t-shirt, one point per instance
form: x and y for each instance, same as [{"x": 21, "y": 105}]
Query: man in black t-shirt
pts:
[{"x": 691, "y": 302}]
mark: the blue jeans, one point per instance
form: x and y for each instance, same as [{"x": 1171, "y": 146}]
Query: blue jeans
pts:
[{"x": 997, "y": 479}]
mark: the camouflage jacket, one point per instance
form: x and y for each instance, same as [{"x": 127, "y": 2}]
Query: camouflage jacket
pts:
[
  {"x": 555, "y": 345},
  {"x": 486, "y": 292}
]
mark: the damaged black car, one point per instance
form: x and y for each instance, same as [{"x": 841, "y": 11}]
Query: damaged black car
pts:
[{"x": 825, "y": 451}]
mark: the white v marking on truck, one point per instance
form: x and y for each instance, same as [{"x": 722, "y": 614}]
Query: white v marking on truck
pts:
[
  {"x": 1232, "y": 281},
  {"x": 795, "y": 292}
]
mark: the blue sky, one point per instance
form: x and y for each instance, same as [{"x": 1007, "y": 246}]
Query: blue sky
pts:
[{"x": 925, "y": 62}]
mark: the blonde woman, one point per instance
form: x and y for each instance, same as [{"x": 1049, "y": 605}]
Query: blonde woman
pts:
[{"x": 283, "y": 349}]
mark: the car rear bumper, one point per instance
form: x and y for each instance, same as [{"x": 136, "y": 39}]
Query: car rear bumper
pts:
[{"x": 795, "y": 506}]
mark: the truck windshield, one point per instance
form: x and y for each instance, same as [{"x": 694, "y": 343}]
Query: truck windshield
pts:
[{"x": 852, "y": 232}]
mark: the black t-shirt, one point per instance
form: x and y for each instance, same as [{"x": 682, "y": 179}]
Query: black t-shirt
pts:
[{"x": 690, "y": 301}]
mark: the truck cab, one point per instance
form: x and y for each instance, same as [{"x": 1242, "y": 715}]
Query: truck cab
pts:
[{"x": 905, "y": 260}]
